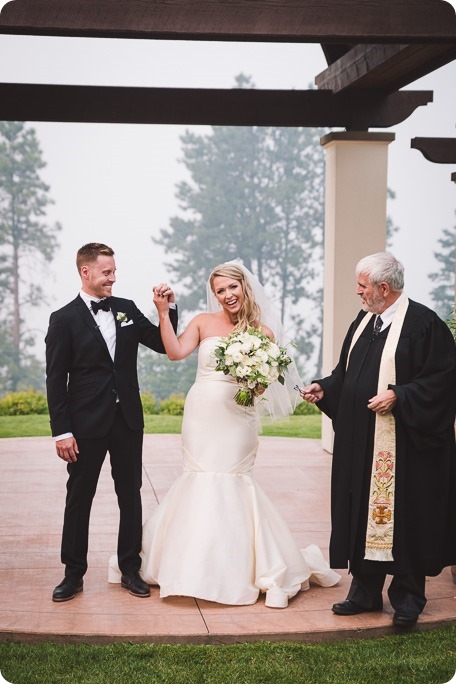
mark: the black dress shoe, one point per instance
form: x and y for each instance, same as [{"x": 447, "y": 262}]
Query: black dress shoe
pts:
[
  {"x": 67, "y": 589},
  {"x": 349, "y": 607},
  {"x": 135, "y": 585},
  {"x": 405, "y": 618}
]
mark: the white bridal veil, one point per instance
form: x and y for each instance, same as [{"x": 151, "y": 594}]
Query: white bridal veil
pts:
[{"x": 278, "y": 400}]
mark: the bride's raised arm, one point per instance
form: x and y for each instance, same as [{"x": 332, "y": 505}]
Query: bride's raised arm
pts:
[{"x": 176, "y": 347}]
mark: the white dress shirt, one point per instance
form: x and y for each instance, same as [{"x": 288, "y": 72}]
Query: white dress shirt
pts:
[
  {"x": 105, "y": 322},
  {"x": 388, "y": 315}
]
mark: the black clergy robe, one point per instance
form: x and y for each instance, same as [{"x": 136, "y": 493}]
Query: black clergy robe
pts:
[{"x": 425, "y": 494}]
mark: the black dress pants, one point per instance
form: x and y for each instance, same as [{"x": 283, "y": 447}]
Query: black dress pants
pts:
[
  {"x": 406, "y": 592},
  {"x": 125, "y": 450}
]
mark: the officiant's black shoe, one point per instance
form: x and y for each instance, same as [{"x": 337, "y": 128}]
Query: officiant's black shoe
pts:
[
  {"x": 135, "y": 585},
  {"x": 349, "y": 607},
  {"x": 67, "y": 589},
  {"x": 405, "y": 618}
]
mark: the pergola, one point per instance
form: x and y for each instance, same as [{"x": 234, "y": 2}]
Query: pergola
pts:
[{"x": 372, "y": 48}]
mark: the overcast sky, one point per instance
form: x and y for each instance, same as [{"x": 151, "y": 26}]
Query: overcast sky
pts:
[{"x": 116, "y": 183}]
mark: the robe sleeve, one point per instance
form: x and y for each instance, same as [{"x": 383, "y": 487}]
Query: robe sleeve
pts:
[
  {"x": 332, "y": 384},
  {"x": 426, "y": 404}
]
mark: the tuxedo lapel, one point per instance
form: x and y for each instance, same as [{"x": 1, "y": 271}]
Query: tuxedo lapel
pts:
[{"x": 88, "y": 319}]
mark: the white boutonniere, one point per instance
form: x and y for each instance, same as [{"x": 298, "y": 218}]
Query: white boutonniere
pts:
[{"x": 121, "y": 317}]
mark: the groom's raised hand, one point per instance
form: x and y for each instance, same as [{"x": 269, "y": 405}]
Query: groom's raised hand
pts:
[
  {"x": 67, "y": 449},
  {"x": 163, "y": 291}
]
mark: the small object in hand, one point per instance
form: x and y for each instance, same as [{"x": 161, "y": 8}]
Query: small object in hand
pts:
[{"x": 299, "y": 389}]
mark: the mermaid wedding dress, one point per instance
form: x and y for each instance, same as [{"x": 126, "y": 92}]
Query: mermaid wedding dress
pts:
[{"x": 216, "y": 535}]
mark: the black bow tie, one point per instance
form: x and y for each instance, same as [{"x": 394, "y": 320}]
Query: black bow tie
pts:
[{"x": 103, "y": 304}]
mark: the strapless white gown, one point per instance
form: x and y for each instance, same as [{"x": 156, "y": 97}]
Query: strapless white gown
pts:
[{"x": 216, "y": 535}]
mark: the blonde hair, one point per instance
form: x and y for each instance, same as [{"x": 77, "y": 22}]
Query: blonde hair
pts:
[{"x": 250, "y": 313}]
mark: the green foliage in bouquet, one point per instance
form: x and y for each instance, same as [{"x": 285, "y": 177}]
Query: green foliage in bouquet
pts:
[{"x": 254, "y": 360}]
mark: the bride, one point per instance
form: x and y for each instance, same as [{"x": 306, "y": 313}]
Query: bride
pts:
[{"x": 216, "y": 535}]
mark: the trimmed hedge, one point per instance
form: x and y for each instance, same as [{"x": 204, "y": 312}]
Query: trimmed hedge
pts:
[
  {"x": 174, "y": 405},
  {"x": 306, "y": 409},
  {"x": 33, "y": 402},
  {"x": 23, "y": 404},
  {"x": 151, "y": 405}
]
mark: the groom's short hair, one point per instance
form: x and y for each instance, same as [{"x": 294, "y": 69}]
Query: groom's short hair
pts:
[{"x": 90, "y": 253}]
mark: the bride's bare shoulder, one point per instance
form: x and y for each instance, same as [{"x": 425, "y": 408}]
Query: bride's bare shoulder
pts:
[
  {"x": 267, "y": 331},
  {"x": 208, "y": 324}
]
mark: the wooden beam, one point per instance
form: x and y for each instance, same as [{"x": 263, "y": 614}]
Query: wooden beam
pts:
[
  {"x": 326, "y": 21},
  {"x": 437, "y": 150},
  {"x": 237, "y": 107},
  {"x": 388, "y": 67}
]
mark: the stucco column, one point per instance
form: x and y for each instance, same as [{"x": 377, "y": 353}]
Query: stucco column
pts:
[{"x": 355, "y": 226}]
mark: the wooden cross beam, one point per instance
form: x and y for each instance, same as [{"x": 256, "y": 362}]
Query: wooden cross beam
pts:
[
  {"x": 238, "y": 107},
  {"x": 325, "y": 21},
  {"x": 437, "y": 150}
]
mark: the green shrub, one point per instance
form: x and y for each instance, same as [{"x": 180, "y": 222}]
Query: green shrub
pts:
[
  {"x": 305, "y": 409},
  {"x": 23, "y": 403},
  {"x": 150, "y": 404},
  {"x": 173, "y": 405}
]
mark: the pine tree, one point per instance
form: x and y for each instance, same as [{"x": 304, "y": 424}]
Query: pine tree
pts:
[
  {"x": 444, "y": 293},
  {"x": 25, "y": 239}
]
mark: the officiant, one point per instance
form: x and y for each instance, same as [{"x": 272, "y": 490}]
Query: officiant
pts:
[{"x": 392, "y": 402}]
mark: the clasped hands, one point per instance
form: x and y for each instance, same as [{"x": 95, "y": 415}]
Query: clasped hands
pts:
[
  {"x": 163, "y": 295},
  {"x": 381, "y": 403}
]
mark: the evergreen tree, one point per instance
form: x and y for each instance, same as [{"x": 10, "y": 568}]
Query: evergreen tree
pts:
[
  {"x": 443, "y": 293},
  {"x": 254, "y": 194},
  {"x": 25, "y": 240},
  {"x": 391, "y": 229}
]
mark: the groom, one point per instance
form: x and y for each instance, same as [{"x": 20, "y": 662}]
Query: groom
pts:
[{"x": 95, "y": 407}]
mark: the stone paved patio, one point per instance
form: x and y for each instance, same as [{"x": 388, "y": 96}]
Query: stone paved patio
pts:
[{"x": 293, "y": 472}]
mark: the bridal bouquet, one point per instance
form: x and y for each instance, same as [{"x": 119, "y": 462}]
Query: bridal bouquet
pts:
[{"x": 253, "y": 359}]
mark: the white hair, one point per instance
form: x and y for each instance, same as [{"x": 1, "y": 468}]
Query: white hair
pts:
[{"x": 382, "y": 267}]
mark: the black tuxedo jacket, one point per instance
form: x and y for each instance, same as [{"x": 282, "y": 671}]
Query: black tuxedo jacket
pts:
[{"x": 83, "y": 382}]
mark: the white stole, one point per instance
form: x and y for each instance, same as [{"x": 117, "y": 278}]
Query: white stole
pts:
[{"x": 380, "y": 523}]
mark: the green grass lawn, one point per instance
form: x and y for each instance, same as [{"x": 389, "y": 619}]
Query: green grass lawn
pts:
[
  {"x": 427, "y": 657},
  {"x": 38, "y": 426}
]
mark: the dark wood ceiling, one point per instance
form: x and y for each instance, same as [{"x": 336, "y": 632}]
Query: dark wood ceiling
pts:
[{"x": 372, "y": 47}]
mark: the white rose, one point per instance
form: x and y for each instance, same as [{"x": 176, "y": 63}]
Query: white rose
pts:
[
  {"x": 247, "y": 346},
  {"x": 264, "y": 370},
  {"x": 273, "y": 351},
  {"x": 254, "y": 341},
  {"x": 261, "y": 354},
  {"x": 233, "y": 348}
]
